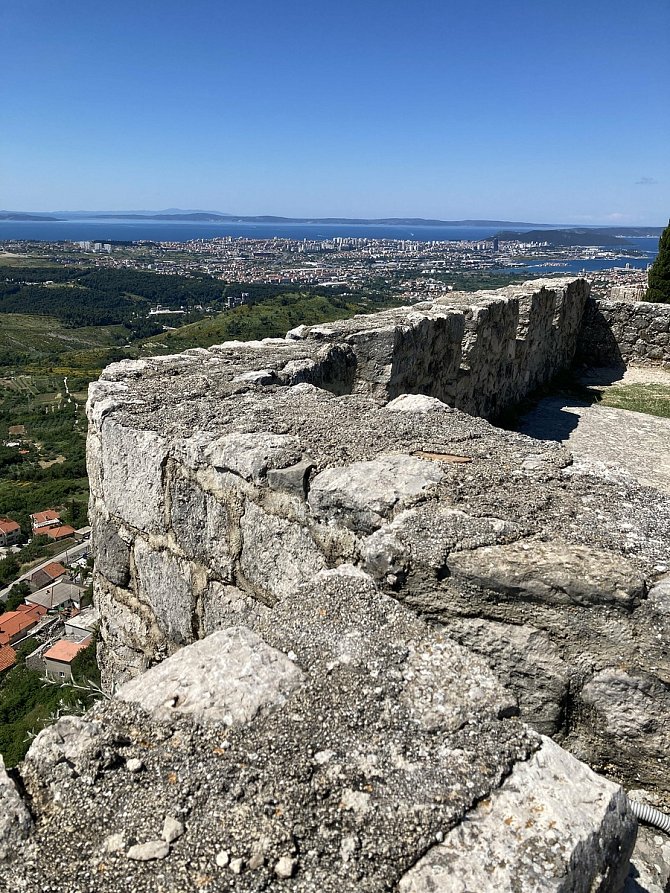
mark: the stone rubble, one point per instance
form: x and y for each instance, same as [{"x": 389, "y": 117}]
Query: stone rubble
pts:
[{"x": 394, "y": 741}]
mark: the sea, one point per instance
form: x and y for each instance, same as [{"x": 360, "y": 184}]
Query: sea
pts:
[{"x": 169, "y": 231}]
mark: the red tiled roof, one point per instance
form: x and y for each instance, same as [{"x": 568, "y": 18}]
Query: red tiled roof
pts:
[
  {"x": 65, "y": 651},
  {"x": 59, "y": 533},
  {"x": 53, "y": 570},
  {"x": 47, "y": 515},
  {"x": 38, "y": 610},
  {"x": 14, "y": 622},
  {"x": 7, "y": 526},
  {"x": 7, "y": 657}
]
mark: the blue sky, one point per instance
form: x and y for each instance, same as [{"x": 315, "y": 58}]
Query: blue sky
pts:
[{"x": 524, "y": 110}]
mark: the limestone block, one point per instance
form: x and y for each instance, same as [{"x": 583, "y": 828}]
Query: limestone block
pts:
[
  {"x": 15, "y": 821},
  {"x": 551, "y": 573},
  {"x": 70, "y": 739},
  {"x": 124, "y": 632},
  {"x": 94, "y": 462},
  {"x": 445, "y": 686},
  {"x": 164, "y": 583},
  {"x": 629, "y": 705},
  {"x": 112, "y": 552},
  {"x": 226, "y": 678},
  {"x": 292, "y": 480},
  {"x": 524, "y": 659},
  {"x": 277, "y": 554},
  {"x": 201, "y": 526},
  {"x": 361, "y": 495},
  {"x": 297, "y": 334},
  {"x": 417, "y": 403},
  {"x": 420, "y": 540},
  {"x": 659, "y": 596},
  {"x": 251, "y": 455},
  {"x": 257, "y": 376},
  {"x": 224, "y": 606},
  {"x": 133, "y": 475},
  {"x": 553, "y": 826}
]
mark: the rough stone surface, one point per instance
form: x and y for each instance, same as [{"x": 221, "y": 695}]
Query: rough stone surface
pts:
[
  {"x": 147, "y": 852},
  {"x": 395, "y": 737},
  {"x": 650, "y": 863},
  {"x": 276, "y": 554},
  {"x": 166, "y": 584},
  {"x": 227, "y": 677},
  {"x": 525, "y": 659},
  {"x": 15, "y": 819},
  {"x": 541, "y": 564},
  {"x": 417, "y": 403},
  {"x": 70, "y": 740},
  {"x": 522, "y": 840},
  {"x": 361, "y": 549},
  {"x": 618, "y": 332},
  {"x": 172, "y": 829},
  {"x": 551, "y": 573},
  {"x": 363, "y": 494}
]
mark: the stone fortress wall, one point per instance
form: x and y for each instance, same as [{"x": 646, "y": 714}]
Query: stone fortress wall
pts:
[
  {"x": 621, "y": 332},
  {"x": 379, "y": 572}
]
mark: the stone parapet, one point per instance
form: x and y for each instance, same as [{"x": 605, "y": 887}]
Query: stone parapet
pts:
[{"x": 616, "y": 333}]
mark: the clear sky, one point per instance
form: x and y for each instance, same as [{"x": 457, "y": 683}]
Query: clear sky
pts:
[{"x": 522, "y": 110}]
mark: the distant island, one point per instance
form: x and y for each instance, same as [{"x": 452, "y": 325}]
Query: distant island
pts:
[
  {"x": 615, "y": 236},
  {"x": 20, "y": 215},
  {"x": 559, "y": 235}
]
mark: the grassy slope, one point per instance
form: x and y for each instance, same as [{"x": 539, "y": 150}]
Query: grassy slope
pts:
[
  {"x": 651, "y": 398},
  {"x": 270, "y": 319},
  {"x": 43, "y": 341}
]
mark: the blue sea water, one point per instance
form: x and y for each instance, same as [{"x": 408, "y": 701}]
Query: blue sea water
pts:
[{"x": 132, "y": 230}]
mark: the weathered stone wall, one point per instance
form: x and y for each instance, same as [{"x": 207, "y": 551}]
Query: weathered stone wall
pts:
[
  {"x": 357, "y": 555},
  {"x": 621, "y": 332},
  {"x": 223, "y": 479},
  {"x": 480, "y": 352},
  {"x": 627, "y": 292}
]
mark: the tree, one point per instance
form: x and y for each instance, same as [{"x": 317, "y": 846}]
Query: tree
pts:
[{"x": 659, "y": 275}]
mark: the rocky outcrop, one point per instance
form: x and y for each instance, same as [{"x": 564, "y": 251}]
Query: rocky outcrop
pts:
[
  {"x": 345, "y": 746},
  {"x": 15, "y": 819}
]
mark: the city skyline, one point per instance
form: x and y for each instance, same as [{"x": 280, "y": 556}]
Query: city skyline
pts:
[{"x": 520, "y": 112}]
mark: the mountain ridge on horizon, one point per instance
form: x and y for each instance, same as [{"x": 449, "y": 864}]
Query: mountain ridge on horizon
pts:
[{"x": 194, "y": 216}]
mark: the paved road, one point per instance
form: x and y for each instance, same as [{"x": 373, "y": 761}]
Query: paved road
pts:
[{"x": 68, "y": 555}]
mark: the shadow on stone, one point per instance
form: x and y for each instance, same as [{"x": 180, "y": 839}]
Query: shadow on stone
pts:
[
  {"x": 597, "y": 344},
  {"x": 550, "y": 420}
]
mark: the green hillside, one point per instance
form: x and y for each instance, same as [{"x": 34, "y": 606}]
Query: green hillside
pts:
[{"x": 269, "y": 319}]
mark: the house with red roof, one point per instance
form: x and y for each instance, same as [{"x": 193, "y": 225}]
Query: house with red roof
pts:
[
  {"x": 15, "y": 624},
  {"x": 43, "y": 521},
  {"x": 59, "y": 533},
  {"x": 58, "y": 659},
  {"x": 47, "y": 574},
  {"x": 10, "y": 532}
]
